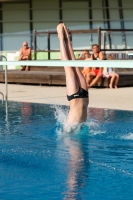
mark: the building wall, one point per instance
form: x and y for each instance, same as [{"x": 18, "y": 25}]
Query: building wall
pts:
[{"x": 19, "y": 19}]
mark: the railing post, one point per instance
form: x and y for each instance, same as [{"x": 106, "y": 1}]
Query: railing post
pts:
[
  {"x": 6, "y": 95},
  {"x": 35, "y": 45},
  {"x": 48, "y": 45},
  {"x": 104, "y": 40},
  {"x": 99, "y": 37}
]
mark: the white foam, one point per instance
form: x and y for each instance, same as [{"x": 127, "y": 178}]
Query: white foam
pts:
[
  {"x": 60, "y": 114},
  {"x": 65, "y": 129},
  {"x": 128, "y": 137},
  {"x": 94, "y": 127}
]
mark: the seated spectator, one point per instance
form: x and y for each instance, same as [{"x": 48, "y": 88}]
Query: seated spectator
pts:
[
  {"x": 25, "y": 54},
  {"x": 109, "y": 73},
  {"x": 95, "y": 72},
  {"x": 85, "y": 55}
]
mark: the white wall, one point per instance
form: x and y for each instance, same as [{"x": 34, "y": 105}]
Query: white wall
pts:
[
  {"x": 10, "y": 29},
  {"x": 74, "y": 13}
]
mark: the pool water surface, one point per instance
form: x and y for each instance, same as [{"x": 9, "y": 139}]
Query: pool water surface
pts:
[{"x": 39, "y": 161}]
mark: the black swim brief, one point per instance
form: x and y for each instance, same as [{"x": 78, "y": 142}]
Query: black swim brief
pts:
[{"x": 80, "y": 94}]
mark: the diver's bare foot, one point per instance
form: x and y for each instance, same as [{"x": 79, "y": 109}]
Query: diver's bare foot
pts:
[
  {"x": 60, "y": 30},
  {"x": 66, "y": 31},
  {"x": 115, "y": 86}
]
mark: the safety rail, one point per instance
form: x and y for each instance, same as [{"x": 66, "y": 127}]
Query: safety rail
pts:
[
  {"x": 73, "y": 63},
  {"x": 101, "y": 33},
  {"x": 1, "y": 63},
  {"x": 49, "y": 33}
]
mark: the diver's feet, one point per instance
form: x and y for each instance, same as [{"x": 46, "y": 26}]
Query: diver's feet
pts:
[
  {"x": 68, "y": 43},
  {"x": 60, "y": 31},
  {"x": 66, "y": 32}
]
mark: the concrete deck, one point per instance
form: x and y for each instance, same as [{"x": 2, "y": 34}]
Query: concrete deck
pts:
[{"x": 121, "y": 98}]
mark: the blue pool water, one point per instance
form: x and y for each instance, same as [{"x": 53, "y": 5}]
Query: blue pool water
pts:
[{"x": 39, "y": 161}]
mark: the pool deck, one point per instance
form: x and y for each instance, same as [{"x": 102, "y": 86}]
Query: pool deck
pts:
[{"x": 121, "y": 98}]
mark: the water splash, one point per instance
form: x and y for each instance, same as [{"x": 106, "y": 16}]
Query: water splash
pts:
[
  {"x": 128, "y": 137},
  {"x": 95, "y": 127},
  {"x": 65, "y": 129},
  {"x": 60, "y": 113}
]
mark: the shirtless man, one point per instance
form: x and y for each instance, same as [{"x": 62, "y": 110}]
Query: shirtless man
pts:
[
  {"x": 77, "y": 91},
  {"x": 25, "y": 54},
  {"x": 96, "y": 72}
]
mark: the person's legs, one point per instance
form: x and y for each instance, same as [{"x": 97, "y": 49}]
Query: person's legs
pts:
[
  {"x": 111, "y": 80},
  {"x": 96, "y": 79},
  {"x": 116, "y": 80},
  {"x": 78, "y": 105},
  {"x": 27, "y": 68},
  {"x": 79, "y": 76},
  {"x": 71, "y": 82},
  {"x": 22, "y": 68},
  {"x": 89, "y": 77},
  {"x": 74, "y": 78}
]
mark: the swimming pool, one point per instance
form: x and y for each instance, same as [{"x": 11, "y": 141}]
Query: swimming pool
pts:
[{"x": 38, "y": 161}]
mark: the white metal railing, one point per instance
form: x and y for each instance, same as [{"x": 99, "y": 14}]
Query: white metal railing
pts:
[
  {"x": 72, "y": 63},
  {"x": 1, "y": 63}
]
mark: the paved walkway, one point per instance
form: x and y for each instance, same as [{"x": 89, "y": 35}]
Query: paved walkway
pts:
[{"x": 121, "y": 98}]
